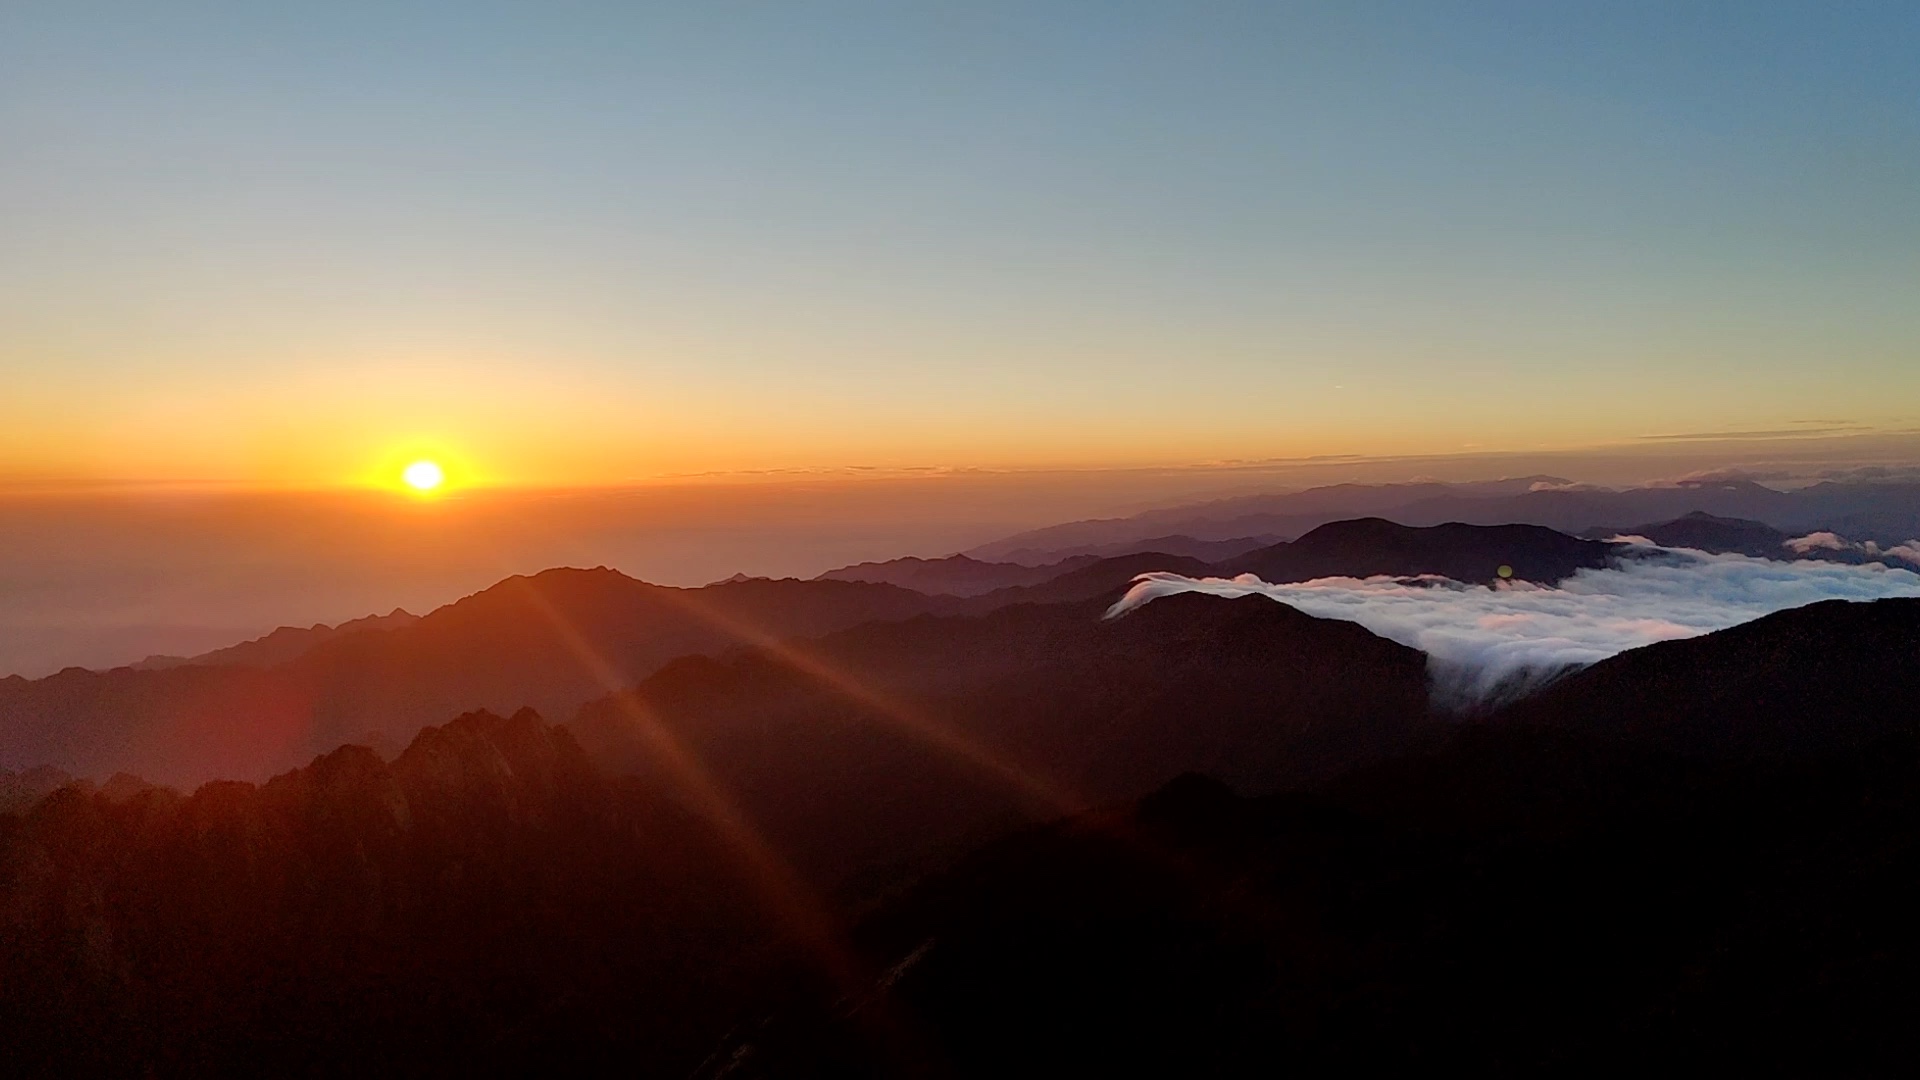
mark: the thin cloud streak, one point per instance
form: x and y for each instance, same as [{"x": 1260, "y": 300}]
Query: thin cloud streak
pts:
[
  {"x": 1490, "y": 643},
  {"x": 1830, "y": 541}
]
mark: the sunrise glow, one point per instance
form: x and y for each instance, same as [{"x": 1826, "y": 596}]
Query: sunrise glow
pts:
[
  {"x": 958, "y": 539},
  {"x": 423, "y": 476}
]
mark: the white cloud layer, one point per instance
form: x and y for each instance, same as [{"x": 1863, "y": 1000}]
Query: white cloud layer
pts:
[{"x": 1488, "y": 643}]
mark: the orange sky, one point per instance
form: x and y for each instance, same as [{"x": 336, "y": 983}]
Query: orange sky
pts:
[{"x": 341, "y": 425}]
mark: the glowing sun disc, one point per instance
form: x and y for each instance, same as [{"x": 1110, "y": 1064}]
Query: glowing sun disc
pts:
[{"x": 423, "y": 476}]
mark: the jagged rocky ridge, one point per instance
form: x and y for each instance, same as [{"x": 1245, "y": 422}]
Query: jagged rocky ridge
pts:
[{"x": 488, "y": 901}]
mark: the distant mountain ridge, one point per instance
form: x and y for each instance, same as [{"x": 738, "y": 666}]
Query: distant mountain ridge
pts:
[
  {"x": 1365, "y": 547},
  {"x": 1185, "y": 546},
  {"x": 284, "y": 644},
  {"x": 963, "y": 575},
  {"x": 1886, "y": 512},
  {"x": 1706, "y": 532},
  {"x": 955, "y": 575},
  {"x": 1281, "y": 514}
]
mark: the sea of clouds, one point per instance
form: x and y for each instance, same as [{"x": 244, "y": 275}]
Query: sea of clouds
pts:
[{"x": 1490, "y": 643}]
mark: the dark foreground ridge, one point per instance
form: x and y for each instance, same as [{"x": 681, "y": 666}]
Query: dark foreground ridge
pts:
[
  {"x": 1829, "y": 676},
  {"x": 1657, "y": 866},
  {"x": 1696, "y": 856},
  {"x": 1523, "y": 903},
  {"x": 489, "y": 902}
]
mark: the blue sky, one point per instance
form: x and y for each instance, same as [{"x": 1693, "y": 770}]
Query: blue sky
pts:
[{"x": 586, "y": 242}]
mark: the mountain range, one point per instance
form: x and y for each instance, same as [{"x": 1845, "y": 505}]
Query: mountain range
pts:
[
  {"x": 1886, "y": 512},
  {"x": 284, "y": 644},
  {"x": 780, "y": 828},
  {"x": 1559, "y": 887},
  {"x": 954, "y": 724},
  {"x": 556, "y": 640},
  {"x": 1565, "y": 887},
  {"x": 550, "y": 641}
]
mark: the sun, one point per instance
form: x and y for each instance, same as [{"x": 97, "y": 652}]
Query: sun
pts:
[{"x": 423, "y": 475}]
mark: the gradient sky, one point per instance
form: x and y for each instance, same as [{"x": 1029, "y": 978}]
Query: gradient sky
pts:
[{"x": 556, "y": 243}]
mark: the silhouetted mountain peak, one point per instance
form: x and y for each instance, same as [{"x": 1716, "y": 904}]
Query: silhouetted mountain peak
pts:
[
  {"x": 1363, "y": 547},
  {"x": 1173, "y": 619},
  {"x": 1188, "y": 798},
  {"x": 1377, "y": 530},
  {"x": 1709, "y": 532},
  {"x": 954, "y": 575}
]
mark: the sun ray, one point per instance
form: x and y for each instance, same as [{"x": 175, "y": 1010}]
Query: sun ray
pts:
[
  {"x": 906, "y": 719},
  {"x": 780, "y": 886}
]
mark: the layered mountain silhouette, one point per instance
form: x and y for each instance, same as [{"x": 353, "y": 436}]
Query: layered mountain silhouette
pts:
[
  {"x": 1188, "y": 546},
  {"x": 957, "y": 575},
  {"x": 880, "y": 745},
  {"x": 1280, "y": 515},
  {"x": 491, "y": 878},
  {"x": 754, "y": 862},
  {"x": 559, "y": 639},
  {"x": 1607, "y": 880},
  {"x": 1104, "y": 579},
  {"x": 551, "y": 641},
  {"x": 1886, "y": 512},
  {"x": 1026, "y": 566}
]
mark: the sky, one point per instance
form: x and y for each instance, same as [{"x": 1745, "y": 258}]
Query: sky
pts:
[
  {"x": 691, "y": 289},
  {"x": 287, "y": 246}
]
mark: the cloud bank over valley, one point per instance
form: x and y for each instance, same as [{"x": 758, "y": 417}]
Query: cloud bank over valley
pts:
[{"x": 1487, "y": 643}]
